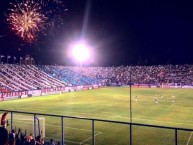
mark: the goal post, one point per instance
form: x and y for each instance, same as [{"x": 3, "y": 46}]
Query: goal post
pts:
[
  {"x": 40, "y": 126},
  {"x": 26, "y": 123}
]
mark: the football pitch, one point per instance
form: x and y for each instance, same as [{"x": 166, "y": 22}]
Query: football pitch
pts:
[{"x": 111, "y": 103}]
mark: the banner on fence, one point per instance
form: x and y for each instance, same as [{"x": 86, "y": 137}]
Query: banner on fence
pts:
[
  {"x": 13, "y": 95},
  {"x": 45, "y": 91}
]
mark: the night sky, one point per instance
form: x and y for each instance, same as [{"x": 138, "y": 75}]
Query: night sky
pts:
[{"x": 121, "y": 33}]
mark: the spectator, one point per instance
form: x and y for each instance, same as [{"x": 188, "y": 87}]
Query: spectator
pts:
[
  {"x": 12, "y": 135},
  {"x": 3, "y": 119},
  {"x": 29, "y": 138},
  {"x": 32, "y": 142},
  {"x": 22, "y": 136},
  {"x": 52, "y": 142},
  {"x": 39, "y": 140},
  {"x": 3, "y": 136}
]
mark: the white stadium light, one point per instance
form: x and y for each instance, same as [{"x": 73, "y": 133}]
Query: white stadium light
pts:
[{"x": 81, "y": 52}]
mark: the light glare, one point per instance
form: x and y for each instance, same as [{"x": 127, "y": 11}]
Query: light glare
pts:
[{"x": 81, "y": 52}]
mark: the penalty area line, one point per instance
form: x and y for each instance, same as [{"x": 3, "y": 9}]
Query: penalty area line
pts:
[
  {"x": 115, "y": 115},
  {"x": 59, "y": 126},
  {"x": 65, "y": 140},
  {"x": 89, "y": 138},
  {"x": 189, "y": 138},
  {"x": 80, "y": 143},
  {"x": 78, "y": 113}
]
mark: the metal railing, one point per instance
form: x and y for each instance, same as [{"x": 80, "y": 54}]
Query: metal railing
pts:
[{"x": 175, "y": 129}]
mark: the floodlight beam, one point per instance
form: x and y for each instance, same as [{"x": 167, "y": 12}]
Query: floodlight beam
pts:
[{"x": 81, "y": 53}]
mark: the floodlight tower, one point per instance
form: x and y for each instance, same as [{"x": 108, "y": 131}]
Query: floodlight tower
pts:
[{"x": 81, "y": 52}]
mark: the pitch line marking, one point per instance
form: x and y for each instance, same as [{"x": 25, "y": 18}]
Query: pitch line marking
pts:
[
  {"x": 39, "y": 108},
  {"x": 65, "y": 140},
  {"x": 163, "y": 121},
  {"x": 125, "y": 117},
  {"x": 189, "y": 138},
  {"x": 147, "y": 119},
  {"x": 113, "y": 114},
  {"x": 60, "y": 126},
  {"x": 89, "y": 138},
  {"x": 80, "y": 143},
  {"x": 72, "y": 128}
]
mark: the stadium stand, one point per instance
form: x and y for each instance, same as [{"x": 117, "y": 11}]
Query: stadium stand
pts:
[
  {"x": 25, "y": 77},
  {"x": 31, "y": 77},
  {"x": 149, "y": 75},
  {"x": 67, "y": 74}
]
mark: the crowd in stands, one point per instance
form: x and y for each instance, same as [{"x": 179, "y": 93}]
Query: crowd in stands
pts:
[
  {"x": 31, "y": 77},
  {"x": 21, "y": 138},
  {"x": 25, "y": 77},
  {"x": 155, "y": 75},
  {"x": 69, "y": 76}
]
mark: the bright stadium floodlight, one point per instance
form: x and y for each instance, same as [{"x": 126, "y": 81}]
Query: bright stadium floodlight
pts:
[{"x": 81, "y": 52}]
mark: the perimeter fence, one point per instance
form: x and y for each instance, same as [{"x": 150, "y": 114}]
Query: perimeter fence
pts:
[{"x": 80, "y": 130}]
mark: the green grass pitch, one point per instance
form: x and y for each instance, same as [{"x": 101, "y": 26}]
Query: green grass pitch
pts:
[{"x": 111, "y": 104}]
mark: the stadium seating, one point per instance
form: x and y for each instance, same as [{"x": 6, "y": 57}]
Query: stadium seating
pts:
[
  {"x": 30, "y": 77},
  {"x": 23, "y": 77},
  {"x": 67, "y": 74}
]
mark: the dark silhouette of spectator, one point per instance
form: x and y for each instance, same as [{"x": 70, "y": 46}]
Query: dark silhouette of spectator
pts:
[
  {"x": 39, "y": 140},
  {"x": 22, "y": 136},
  {"x": 52, "y": 142},
  {"x": 33, "y": 142},
  {"x": 3, "y": 136},
  {"x": 12, "y": 137},
  {"x": 17, "y": 139}
]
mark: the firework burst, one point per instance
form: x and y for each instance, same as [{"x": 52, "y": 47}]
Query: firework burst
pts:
[
  {"x": 55, "y": 11},
  {"x": 26, "y": 19}
]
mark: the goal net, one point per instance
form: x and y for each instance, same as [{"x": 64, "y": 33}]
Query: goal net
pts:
[{"x": 26, "y": 123}]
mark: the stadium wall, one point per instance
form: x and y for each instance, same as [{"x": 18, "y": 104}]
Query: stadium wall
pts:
[
  {"x": 164, "y": 85},
  {"x": 58, "y": 90},
  {"x": 45, "y": 91}
]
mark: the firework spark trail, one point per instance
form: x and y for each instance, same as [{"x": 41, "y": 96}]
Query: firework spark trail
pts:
[
  {"x": 29, "y": 17},
  {"x": 26, "y": 19}
]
